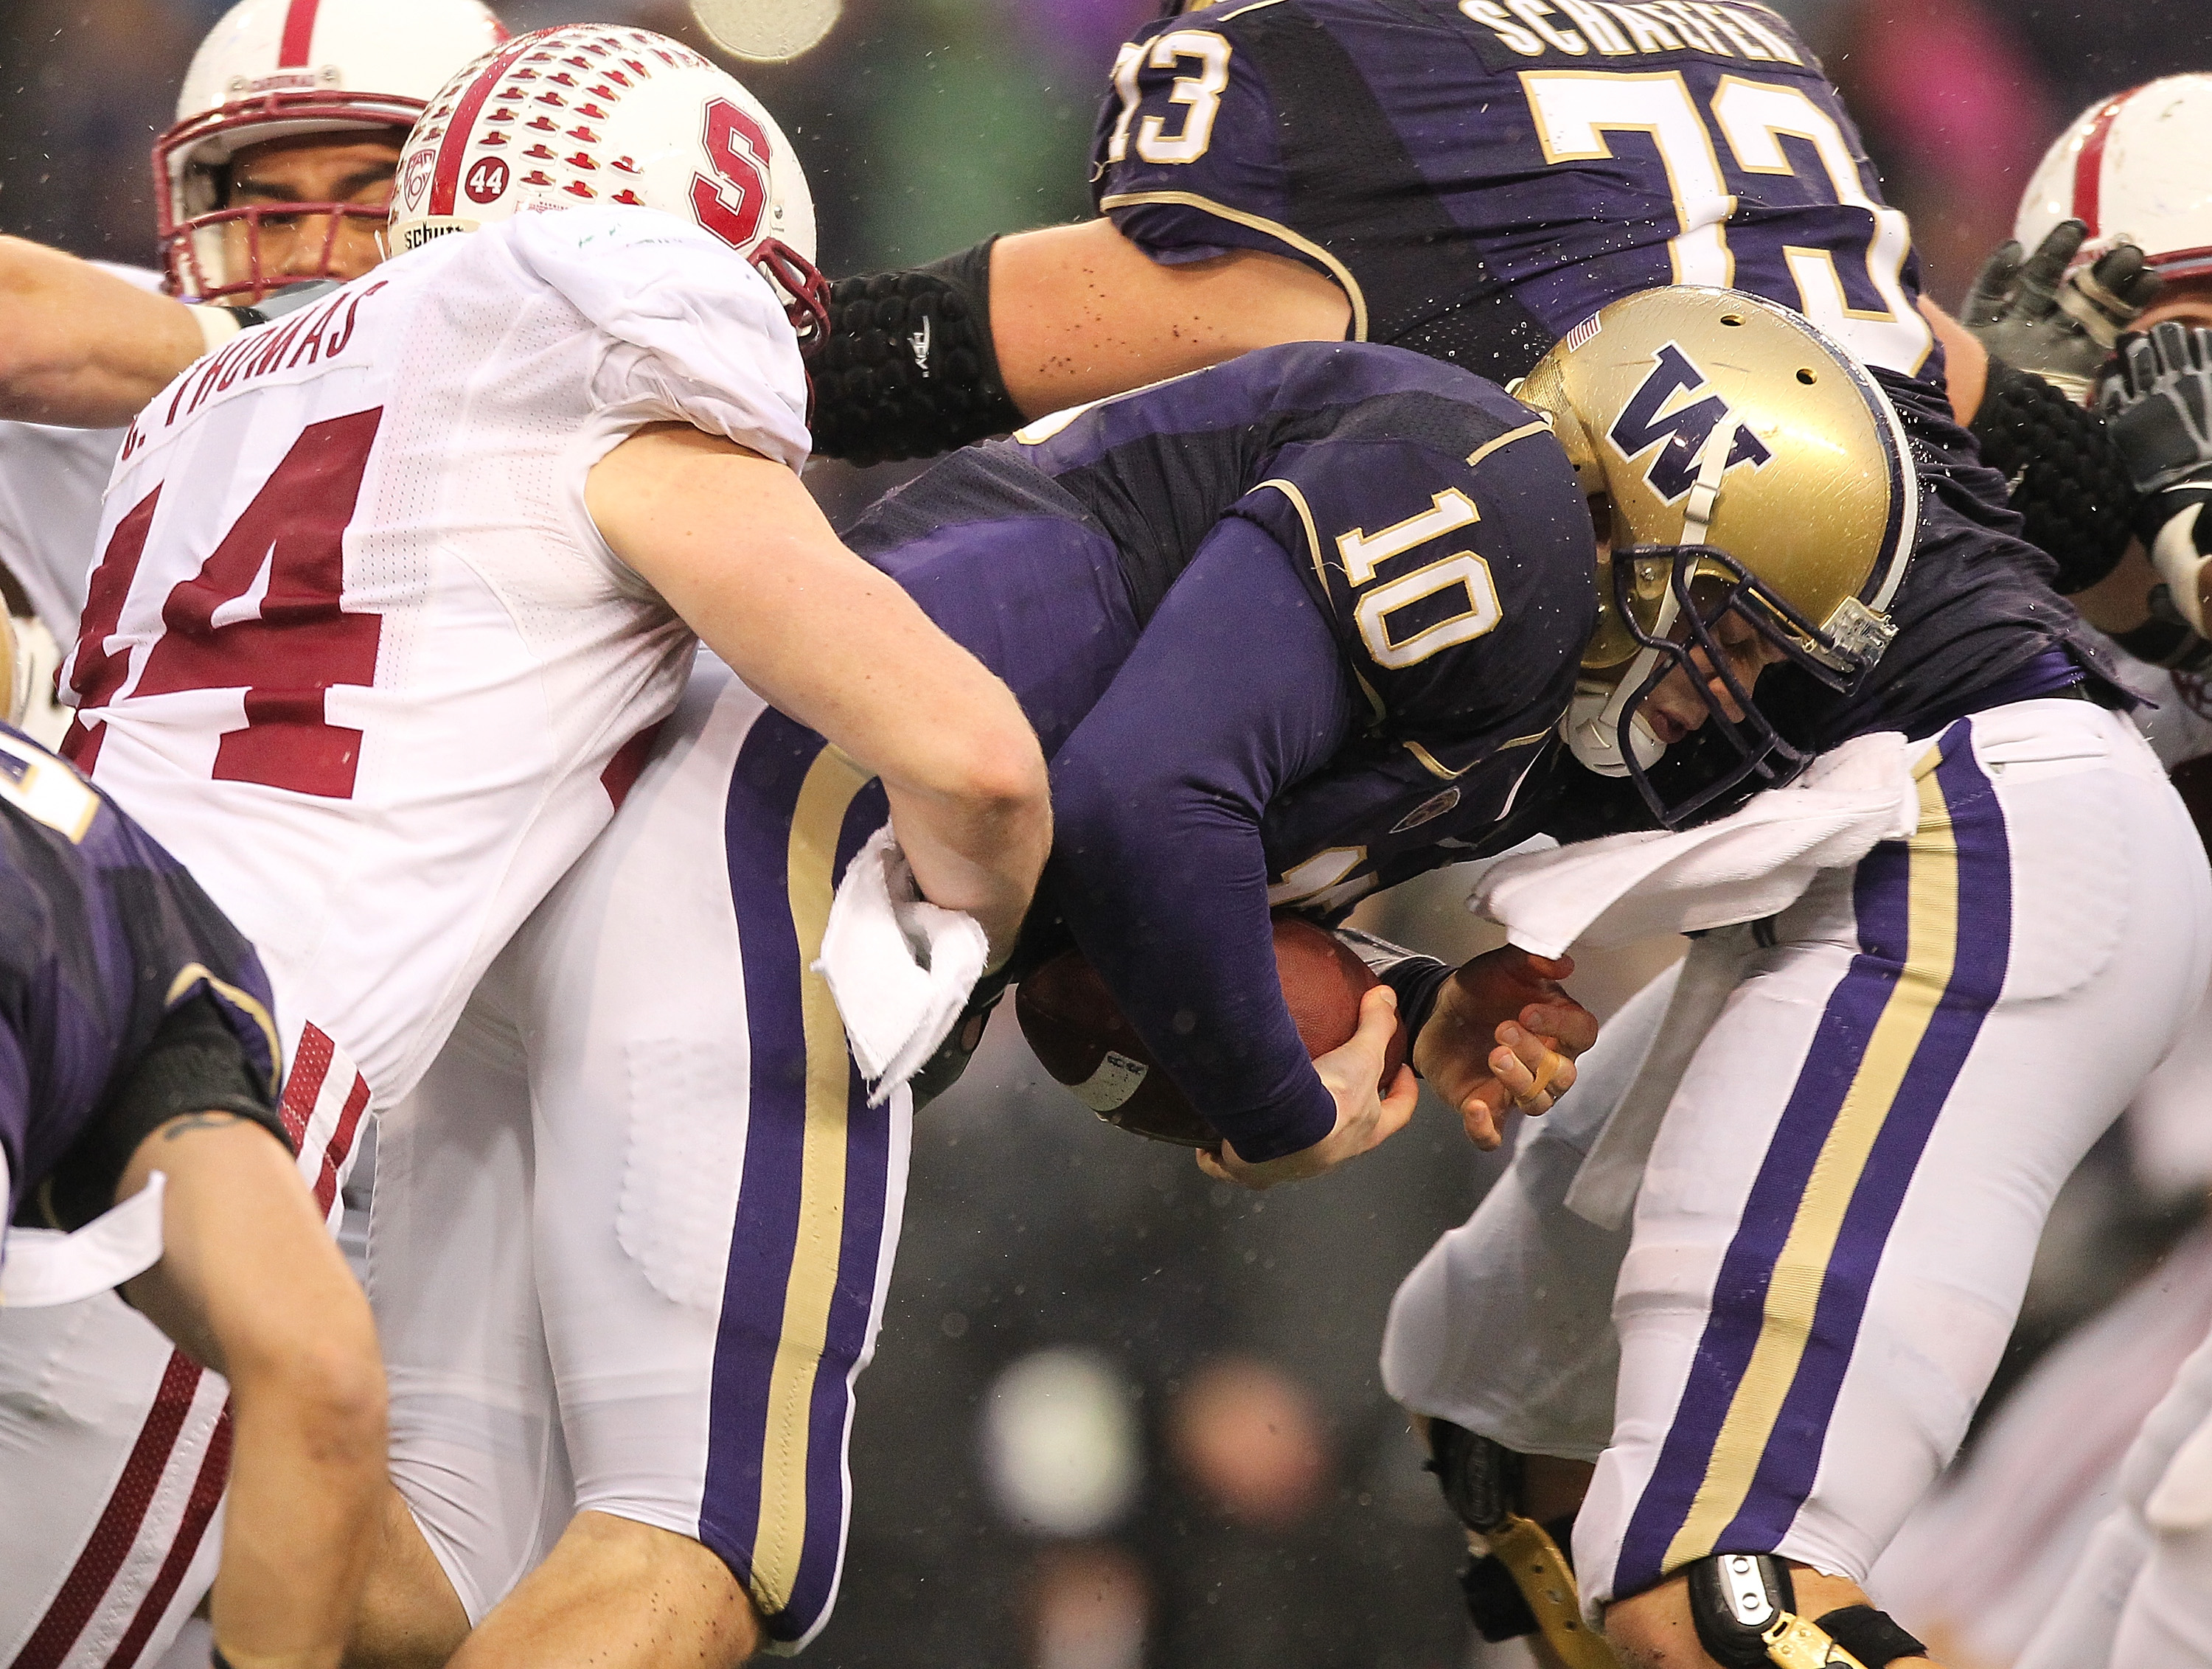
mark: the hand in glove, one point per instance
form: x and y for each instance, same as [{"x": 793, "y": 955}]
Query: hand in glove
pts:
[
  {"x": 2034, "y": 315},
  {"x": 2157, "y": 401}
]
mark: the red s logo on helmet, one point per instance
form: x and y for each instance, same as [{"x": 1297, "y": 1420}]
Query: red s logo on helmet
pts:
[{"x": 738, "y": 148}]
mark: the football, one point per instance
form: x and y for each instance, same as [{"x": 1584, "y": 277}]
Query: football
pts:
[{"x": 1079, "y": 1034}]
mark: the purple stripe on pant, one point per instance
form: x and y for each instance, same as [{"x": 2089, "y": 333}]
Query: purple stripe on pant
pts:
[
  {"x": 1882, "y": 894},
  {"x": 771, "y": 769}
]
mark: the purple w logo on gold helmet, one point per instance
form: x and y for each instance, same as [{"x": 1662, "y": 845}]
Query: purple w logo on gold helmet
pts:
[{"x": 1646, "y": 421}]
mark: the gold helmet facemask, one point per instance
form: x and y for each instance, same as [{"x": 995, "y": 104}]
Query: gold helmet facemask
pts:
[{"x": 1750, "y": 467}]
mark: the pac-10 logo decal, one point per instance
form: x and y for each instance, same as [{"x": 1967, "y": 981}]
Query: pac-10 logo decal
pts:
[
  {"x": 486, "y": 180},
  {"x": 418, "y": 174},
  {"x": 1646, "y": 421}
]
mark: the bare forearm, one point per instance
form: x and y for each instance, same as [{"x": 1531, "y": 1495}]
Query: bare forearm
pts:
[
  {"x": 250, "y": 1282},
  {"x": 853, "y": 655},
  {"x": 80, "y": 346},
  {"x": 2120, "y": 602},
  {"x": 838, "y": 646},
  {"x": 1966, "y": 361},
  {"x": 966, "y": 780},
  {"x": 1079, "y": 313},
  {"x": 299, "y": 1526}
]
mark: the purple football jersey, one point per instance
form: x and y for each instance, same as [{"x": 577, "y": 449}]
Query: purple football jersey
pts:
[
  {"x": 102, "y": 934},
  {"x": 1482, "y": 177}
]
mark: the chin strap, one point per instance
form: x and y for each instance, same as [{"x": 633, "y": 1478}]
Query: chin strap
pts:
[
  {"x": 1704, "y": 499},
  {"x": 1591, "y": 724},
  {"x": 1520, "y": 1582},
  {"x": 1547, "y": 1582}
]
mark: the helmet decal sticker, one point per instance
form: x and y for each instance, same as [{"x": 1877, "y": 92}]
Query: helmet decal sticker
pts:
[
  {"x": 486, "y": 182},
  {"x": 738, "y": 148},
  {"x": 418, "y": 176},
  {"x": 1646, "y": 421}
]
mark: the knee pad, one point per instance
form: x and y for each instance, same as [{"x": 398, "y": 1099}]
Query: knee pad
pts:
[
  {"x": 1744, "y": 1606},
  {"x": 1518, "y": 1582}
]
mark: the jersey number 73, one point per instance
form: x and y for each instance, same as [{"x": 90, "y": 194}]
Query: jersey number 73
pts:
[{"x": 1575, "y": 109}]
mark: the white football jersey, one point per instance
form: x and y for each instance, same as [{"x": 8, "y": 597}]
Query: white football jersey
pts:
[
  {"x": 355, "y": 652},
  {"x": 51, "y": 479}
]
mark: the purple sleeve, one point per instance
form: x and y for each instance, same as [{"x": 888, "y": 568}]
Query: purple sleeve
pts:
[
  {"x": 15, "y": 1135},
  {"x": 1236, "y": 690},
  {"x": 1187, "y": 158}
]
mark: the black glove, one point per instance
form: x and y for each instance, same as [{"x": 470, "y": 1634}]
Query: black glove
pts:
[
  {"x": 2156, "y": 397},
  {"x": 2157, "y": 400},
  {"x": 2034, "y": 314}
]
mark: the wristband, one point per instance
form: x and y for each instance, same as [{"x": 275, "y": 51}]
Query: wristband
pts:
[{"x": 217, "y": 325}]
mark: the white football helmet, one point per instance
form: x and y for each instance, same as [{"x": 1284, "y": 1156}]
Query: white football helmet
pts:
[
  {"x": 2133, "y": 168},
  {"x": 279, "y": 69},
  {"x": 601, "y": 112}
]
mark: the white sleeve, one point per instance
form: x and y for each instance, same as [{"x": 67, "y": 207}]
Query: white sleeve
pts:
[
  {"x": 692, "y": 332},
  {"x": 50, "y": 482}
]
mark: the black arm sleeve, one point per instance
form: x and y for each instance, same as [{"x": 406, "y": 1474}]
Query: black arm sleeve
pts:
[
  {"x": 909, "y": 369},
  {"x": 2069, "y": 481},
  {"x": 193, "y": 1065}
]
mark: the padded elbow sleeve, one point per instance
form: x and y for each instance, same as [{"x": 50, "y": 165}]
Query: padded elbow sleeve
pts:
[
  {"x": 910, "y": 369},
  {"x": 2068, "y": 480}
]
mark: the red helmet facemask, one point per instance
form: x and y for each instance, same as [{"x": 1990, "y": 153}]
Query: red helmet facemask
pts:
[{"x": 188, "y": 241}]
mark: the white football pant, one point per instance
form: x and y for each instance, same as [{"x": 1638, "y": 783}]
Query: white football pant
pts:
[{"x": 1835, "y": 1224}]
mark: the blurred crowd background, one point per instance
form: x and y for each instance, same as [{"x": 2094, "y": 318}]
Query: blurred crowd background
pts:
[{"x": 1122, "y": 1416}]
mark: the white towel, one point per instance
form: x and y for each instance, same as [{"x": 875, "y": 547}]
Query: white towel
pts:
[
  {"x": 1611, "y": 1175},
  {"x": 900, "y": 968},
  {"x": 44, "y": 1267},
  {"x": 1751, "y": 864}
]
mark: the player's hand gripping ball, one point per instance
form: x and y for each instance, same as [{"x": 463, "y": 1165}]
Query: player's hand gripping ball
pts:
[
  {"x": 1077, "y": 1032},
  {"x": 1504, "y": 1034}
]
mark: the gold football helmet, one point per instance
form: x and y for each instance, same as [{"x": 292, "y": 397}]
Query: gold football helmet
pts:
[{"x": 1751, "y": 467}]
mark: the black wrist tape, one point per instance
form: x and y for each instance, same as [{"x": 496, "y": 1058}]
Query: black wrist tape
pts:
[
  {"x": 2068, "y": 481},
  {"x": 2165, "y": 642},
  {"x": 1874, "y": 1637},
  {"x": 910, "y": 369},
  {"x": 1418, "y": 979}
]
